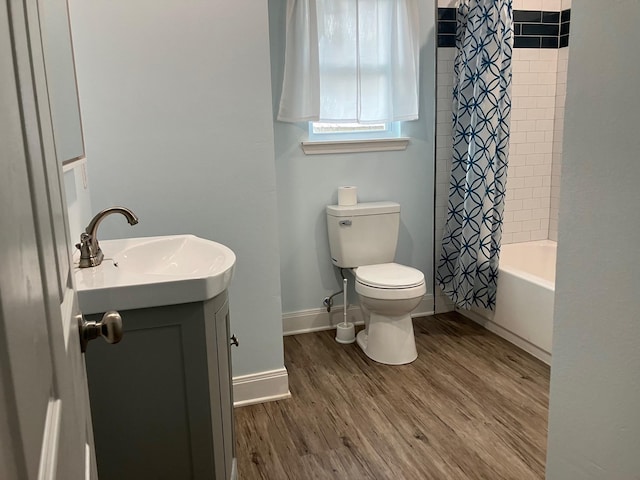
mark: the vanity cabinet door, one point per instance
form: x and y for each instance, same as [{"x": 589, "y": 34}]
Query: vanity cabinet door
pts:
[
  {"x": 162, "y": 396},
  {"x": 220, "y": 386},
  {"x": 226, "y": 386}
]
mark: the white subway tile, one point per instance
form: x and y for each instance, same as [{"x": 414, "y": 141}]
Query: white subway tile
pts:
[
  {"x": 528, "y": 102},
  {"x": 544, "y": 125},
  {"x": 519, "y": 114},
  {"x": 516, "y": 182},
  {"x": 447, "y": 3},
  {"x": 532, "y": 203},
  {"x": 543, "y": 66},
  {"x": 512, "y": 205},
  {"x": 526, "y": 78},
  {"x": 541, "y": 192},
  {"x": 561, "y": 89},
  {"x": 507, "y": 238},
  {"x": 444, "y": 79},
  {"x": 519, "y": 90},
  {"x": 535, "y": 137},
  {"x": 445, "y": 92},
  {"x": 546, "y": 78},
  {"x": 561, "y": 75},
  {"x": 542, "y": 90},
  {"x": 541, "y": 213},
  {"x": 544, "y": 223},
  {"x": 512, "y": 227},
  {"x": 532, "y": 5},
  {"x": 549, "y": 136},
  {"x": 542, "y": 170},
  {"x": 525, "y": 171},
  {"x": 446, "y": 53},
  {"x": 535, "y": 159},
  {"x": 518, "y": 137},
  {"x": 530, "y": 53},
  {"x": 528, "y": 125},
  {"x": 535, "y": 181},
  {"x": 539, "y": 235},
  {"x": 522, "y": 215},
  {"x": 519, "y": 237},
  {"x": 522, "y": 193},
  {"x": 544, "y": 102},
  {"x": 443, "y": 116},
  {"x": 549, "y": 54},
  {"x": 525, "y": 148},
  {"x": 516, "y": 160},
  {"x": 558, "y": 132},
  {"x": 531, "y": 225},
  {"x": 545, "y": 202},
  {"x": 536, "y": 114},
  {"x": 520, "y": 66}
]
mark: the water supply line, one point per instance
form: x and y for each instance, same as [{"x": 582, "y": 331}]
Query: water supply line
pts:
[{"x": 328, "y": 301}]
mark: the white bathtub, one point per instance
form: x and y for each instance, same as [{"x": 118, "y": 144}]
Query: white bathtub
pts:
[{"x": 524, "y": 303}]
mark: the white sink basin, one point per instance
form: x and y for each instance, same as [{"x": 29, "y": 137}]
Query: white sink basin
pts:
[{"x": 154, "y": 271}]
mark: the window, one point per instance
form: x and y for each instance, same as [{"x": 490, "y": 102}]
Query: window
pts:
[
  {"x": 331, "y": 131},
  {"x": 351, "y": 62}
]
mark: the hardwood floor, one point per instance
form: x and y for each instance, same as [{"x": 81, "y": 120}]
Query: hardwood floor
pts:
[{"x": 472, "y": 406}]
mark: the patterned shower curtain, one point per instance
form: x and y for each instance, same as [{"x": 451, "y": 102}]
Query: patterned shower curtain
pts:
[{"x": 468, "y": 268}]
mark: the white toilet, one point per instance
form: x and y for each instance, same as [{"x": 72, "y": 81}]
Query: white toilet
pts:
[{"x": 363, "y": 238}]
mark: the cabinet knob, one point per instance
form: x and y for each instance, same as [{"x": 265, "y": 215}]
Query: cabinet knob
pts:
[
  {"x": 109, "y": 328},
  {"x": 234, "y": 341}
]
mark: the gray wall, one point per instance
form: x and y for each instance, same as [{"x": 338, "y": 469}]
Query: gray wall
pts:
[
  {"x": 306, "y": 184},
  {"x": 594, "y": 425},
  {"x": 176, "y": 106}
]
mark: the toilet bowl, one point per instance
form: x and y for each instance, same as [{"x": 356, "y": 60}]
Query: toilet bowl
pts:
[{"x": 388, "y": 294}]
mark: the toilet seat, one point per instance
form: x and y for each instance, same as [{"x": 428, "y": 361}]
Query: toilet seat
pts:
[
  {"x": 389, "y": 275},
  {"x": 389, "y": 281}
]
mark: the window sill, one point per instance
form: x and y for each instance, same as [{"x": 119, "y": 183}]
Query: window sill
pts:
[{"x": 354, "y": 146}]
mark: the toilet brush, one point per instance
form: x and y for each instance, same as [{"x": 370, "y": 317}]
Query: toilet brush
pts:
[{"x": 345, "y": 331}]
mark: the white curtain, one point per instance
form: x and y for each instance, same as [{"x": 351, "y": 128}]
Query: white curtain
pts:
[{"x": 351, "y": 61}]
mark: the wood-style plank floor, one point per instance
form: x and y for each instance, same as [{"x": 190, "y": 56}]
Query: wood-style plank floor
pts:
[{"x": 472, "y": 406}]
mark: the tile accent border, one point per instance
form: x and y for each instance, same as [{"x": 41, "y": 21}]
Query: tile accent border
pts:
[{"x": 532, "y": 28}]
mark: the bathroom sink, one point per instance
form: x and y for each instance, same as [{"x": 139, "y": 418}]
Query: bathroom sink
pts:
[{"x": 154, "y": 271}]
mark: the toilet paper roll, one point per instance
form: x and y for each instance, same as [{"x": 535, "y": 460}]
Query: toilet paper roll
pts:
[{"x": 347, "y": 196}]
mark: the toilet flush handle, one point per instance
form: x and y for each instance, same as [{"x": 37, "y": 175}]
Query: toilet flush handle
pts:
[{"x": 345, "y": 223}]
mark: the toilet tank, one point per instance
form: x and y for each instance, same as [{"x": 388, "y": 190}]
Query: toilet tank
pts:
[{"x": 363, "y": 234}]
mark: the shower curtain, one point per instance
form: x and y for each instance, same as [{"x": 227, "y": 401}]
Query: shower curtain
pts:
[{"x": 468, "y": 267}]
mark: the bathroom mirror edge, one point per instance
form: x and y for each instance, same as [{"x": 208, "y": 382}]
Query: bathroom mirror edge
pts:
[{"x": 62, "y": 86}]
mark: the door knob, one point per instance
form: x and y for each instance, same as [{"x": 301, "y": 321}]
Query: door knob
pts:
[
  {"x": 234, "y": 341},
  {"x": 109, "y": 328}
]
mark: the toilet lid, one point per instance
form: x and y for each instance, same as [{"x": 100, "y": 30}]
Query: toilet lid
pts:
[{"x": 389, "y": 275}]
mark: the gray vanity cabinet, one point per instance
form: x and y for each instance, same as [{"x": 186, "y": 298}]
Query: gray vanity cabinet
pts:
[{"x": 161, "y": 399}]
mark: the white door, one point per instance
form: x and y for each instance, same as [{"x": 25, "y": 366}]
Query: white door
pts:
[{"x": 45, "y": 427}]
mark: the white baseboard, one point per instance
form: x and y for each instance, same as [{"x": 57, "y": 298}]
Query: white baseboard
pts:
[
  {"x": 511, "y": 337},
  {"x": 317, "y": 319},
  {"x": 261, "y": 387}
]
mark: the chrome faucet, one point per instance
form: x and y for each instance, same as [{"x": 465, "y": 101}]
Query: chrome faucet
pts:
[{"x": 90, "y": 251}]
